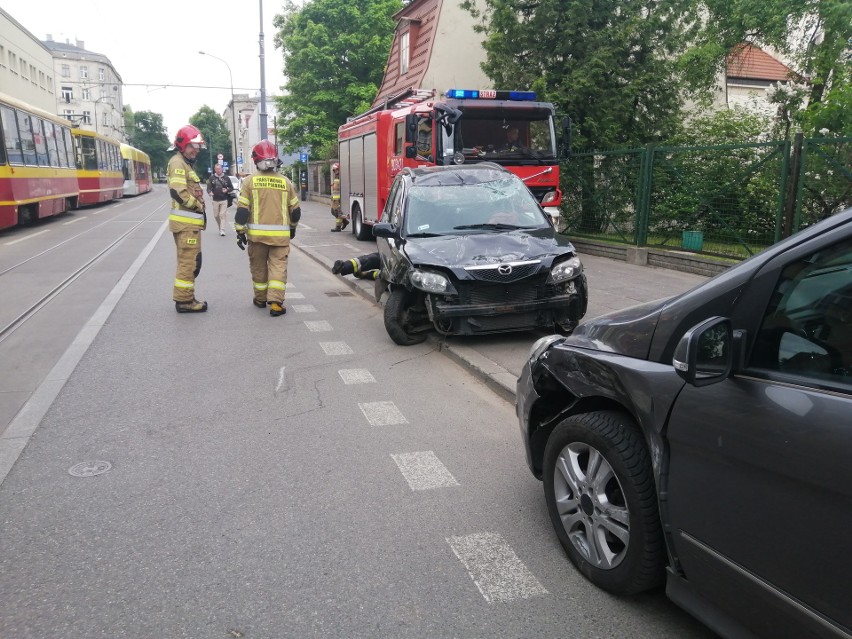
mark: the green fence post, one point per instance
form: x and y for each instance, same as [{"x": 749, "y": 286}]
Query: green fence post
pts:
[
  {"x": 643, "y": 196},
  {"x": 784, "y": 198},
  {"x": 803, "y": 162}
]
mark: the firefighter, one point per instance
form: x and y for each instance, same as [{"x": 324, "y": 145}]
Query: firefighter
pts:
[
  {"x": 364, "y": 267},
  {"x": 187, "y": 218},
  {"x": 267, "y": 214},
  {"x": 340, "y": 220}
]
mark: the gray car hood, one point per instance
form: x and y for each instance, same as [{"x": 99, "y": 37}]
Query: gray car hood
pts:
[{"x": 627, "y": 332}]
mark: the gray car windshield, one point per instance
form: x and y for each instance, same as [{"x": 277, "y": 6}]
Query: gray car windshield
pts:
[{"x": 472, "y": 208}]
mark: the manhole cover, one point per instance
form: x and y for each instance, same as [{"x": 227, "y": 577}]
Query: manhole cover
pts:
[{"x": 89, "y": 468}]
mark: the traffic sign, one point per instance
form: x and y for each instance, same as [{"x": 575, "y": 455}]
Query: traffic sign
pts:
[
  {"x": 220, "y": 157},
  {"x": 303, "y": 157}
]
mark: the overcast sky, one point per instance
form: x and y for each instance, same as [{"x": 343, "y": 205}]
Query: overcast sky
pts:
[{"x": 156, "y": 43}]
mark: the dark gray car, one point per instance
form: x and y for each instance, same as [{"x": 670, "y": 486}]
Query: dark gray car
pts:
[
  {"x": 468, "y": 250},
  {"x": 705, "y": 441}
]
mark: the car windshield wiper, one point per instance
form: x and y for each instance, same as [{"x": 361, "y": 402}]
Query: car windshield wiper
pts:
[
  {"x": 424, "y": 234},
  {"x": 490, "y": 227}
]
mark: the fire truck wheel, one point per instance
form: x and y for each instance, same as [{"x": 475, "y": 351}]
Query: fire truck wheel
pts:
[
  {"x": 360, "y": 230},
  {"x": 400, "y": 313}
]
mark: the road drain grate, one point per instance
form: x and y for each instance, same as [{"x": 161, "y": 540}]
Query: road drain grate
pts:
[{"x": 89, "y": 468}]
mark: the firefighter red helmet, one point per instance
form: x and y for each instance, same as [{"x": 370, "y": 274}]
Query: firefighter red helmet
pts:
[
  {"x": 188, "y": 135},
  {"x": 335, "y": 167},
  {"x": 263, "y": 150}
]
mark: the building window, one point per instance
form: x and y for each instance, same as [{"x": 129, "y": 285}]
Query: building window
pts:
[
  {"x": 403, "y": 53},
  {"x": 86, "y": 94},
  {"x": 67, "y": 94},
  {"x": 33, "y": 73},
  {"x": 105, "y": 119},
  {"x": 87, "y": 117},
  {"x": 66, "y": 70},
  {"x": 68, "y": 114},
  {"x": 41, "y": 79},
  {"x": 84, "y": 72},
  {"x": 24, "y": 69},
  {"x": 13, "y": 63},
  {"x": 101, "y": 74},
  {"x": 2, "y": 57}
]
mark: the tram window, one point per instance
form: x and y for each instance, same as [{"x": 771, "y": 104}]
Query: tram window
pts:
[
  {"x": 50, "y": 138},
  {"x": 87, "y": 152},
  {"x": 40, "y": 142},
  {"x": 25, "y": 128},
  {"x": 69, "y": 147},
  {"x": 10, "y": 136}
]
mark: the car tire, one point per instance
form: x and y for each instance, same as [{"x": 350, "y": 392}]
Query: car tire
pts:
[
  {"x": 361, "y": 231},
  {"x": 397, "y": 310},
  {"x": 602, "y": 501}
]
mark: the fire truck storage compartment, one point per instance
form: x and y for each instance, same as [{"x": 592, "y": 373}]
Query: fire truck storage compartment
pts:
[{"x": 358, "y": 169}]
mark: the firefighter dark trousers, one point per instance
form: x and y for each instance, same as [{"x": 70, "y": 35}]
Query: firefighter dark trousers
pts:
[
  {"x": 268, "y": 271},
  {"x": 188, "y": 245}
]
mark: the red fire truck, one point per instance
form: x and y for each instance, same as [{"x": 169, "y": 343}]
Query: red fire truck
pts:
[{"x": 462, "y": 126}]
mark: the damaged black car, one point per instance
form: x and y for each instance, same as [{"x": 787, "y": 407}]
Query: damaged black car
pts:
[{"x": 468, "y": 250}]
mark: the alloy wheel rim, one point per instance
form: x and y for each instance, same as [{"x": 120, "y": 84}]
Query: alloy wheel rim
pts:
[{"x": 591, "y": 505}]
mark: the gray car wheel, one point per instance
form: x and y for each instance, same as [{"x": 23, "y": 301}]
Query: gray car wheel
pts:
[{"x": 602, "y": 501}]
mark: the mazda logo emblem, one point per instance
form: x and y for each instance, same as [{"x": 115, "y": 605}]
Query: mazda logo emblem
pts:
[{"x": 504, "y": 269}]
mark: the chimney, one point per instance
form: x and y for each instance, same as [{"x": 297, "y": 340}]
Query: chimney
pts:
[{"x": 81, "y": 44}]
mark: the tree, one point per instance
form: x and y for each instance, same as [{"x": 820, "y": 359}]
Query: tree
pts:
[
  {"x": 214, "y": 129},
  {"x": 605, "y": 63},
  {"x": 814, "y": 35},
  {"x": 334, "y": 55},
  {"x": 148, "y": 134}
]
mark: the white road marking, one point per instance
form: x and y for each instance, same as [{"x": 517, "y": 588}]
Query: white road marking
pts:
[
  {"x": 495, "y": 568},
  {"x": 76, "y": 219},
  {"x": 382, "y": 413},
  {"x": 336, "y": 348},
  {"x": 295, "y": 296},
  {"x": 280, "y": 379},
  {"x": 319, "y": 327},
  {"x": 424, "y": 471},
  {"x": 21, "y": 239},
  {"x": 306, "y": 227},
  {"x": 304, "y": 308},
  {"x": 357, "y": 376}
]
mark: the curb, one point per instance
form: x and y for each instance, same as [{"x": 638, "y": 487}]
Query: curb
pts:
[{"x": 490, "y": 373}]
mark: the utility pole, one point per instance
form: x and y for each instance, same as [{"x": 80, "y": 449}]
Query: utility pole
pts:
[{"x": 263, "y": 133}]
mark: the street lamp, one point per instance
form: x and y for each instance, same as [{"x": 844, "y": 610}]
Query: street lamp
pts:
[{"x": 233, "y": 106}]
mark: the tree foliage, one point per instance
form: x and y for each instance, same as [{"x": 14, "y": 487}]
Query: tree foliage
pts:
[
  {"x": 147, "y": 133},
  {"x": 219, "y": 140},
  {"x": 334, "y": 54},
  {"x": 815, "y": 36},
  {"x": 607, "y": 64}
]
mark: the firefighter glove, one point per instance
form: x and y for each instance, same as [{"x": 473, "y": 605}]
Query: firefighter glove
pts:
[
  {"x": 242, "y": 240},
  {"x": 292, "y": 232}
]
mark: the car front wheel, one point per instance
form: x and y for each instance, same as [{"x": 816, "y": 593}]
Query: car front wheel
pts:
[
  {"x": 401, "y": 315},
  {"x": 602, "y": 501}
]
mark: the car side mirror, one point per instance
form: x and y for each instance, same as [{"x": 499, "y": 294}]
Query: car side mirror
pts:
[
  {"x": 411, "y": 128},
  {"x": 704, "y": 354},
  {"x": 385, "y": 229},
  {"x": 411, "y": 152}
]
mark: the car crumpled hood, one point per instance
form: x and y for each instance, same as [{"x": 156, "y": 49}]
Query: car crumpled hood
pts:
[
  {"x": 477, "y": 249},
  {"x": 627, "y": 332}
]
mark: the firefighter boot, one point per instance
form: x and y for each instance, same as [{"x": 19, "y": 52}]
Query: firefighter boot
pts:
[
  {"x": 259, "y": 303},
  {"x": 276, "y": 309},
  {"x": 191, "y": 307},
  {"x": 343, "y": 267}
]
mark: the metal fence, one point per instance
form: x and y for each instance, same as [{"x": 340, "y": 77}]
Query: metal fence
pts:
[{"x": 728, "y": 200}]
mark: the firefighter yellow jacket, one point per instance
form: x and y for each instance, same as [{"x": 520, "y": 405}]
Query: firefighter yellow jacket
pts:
[
  {"x": 269, "y": 198},
  {"x": 186, "y": 193}
]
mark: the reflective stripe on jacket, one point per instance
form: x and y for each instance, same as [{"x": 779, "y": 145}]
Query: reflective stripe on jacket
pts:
[
  {"x": 269, "y": 198},
  {"x": 184, "y": 181}
]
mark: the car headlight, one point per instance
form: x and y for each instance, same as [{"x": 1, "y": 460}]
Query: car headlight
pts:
[
  {"x": 430, "y": 282},
  {"x": 550, "y": 196},
  {"x": 542, "y": 344},
  {"x": 566, "y": 270}
]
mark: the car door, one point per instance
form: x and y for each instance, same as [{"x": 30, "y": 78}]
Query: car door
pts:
[
  {"x": 394, "y": 263},
  {"x": 760, "y": 475}
]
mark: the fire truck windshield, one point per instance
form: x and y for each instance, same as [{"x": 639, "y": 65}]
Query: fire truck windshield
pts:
[{"x": 506, "y": 137}]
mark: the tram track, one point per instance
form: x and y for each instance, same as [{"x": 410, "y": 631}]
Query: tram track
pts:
[{"x": 19, "y": 321}]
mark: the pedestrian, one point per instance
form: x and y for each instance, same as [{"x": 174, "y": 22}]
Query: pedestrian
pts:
[
  {"x": 188, "y": 217},
  {"x": 219, "y": 186},
  {"x": 340, "y": 220},
  {"x": 267, "y": 214}
]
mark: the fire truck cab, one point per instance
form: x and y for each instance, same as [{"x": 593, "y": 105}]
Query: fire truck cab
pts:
[{"x": 462, "y": 126}]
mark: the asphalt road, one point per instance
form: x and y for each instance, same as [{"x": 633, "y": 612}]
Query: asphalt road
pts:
[{"x": 299, "y": 476}]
